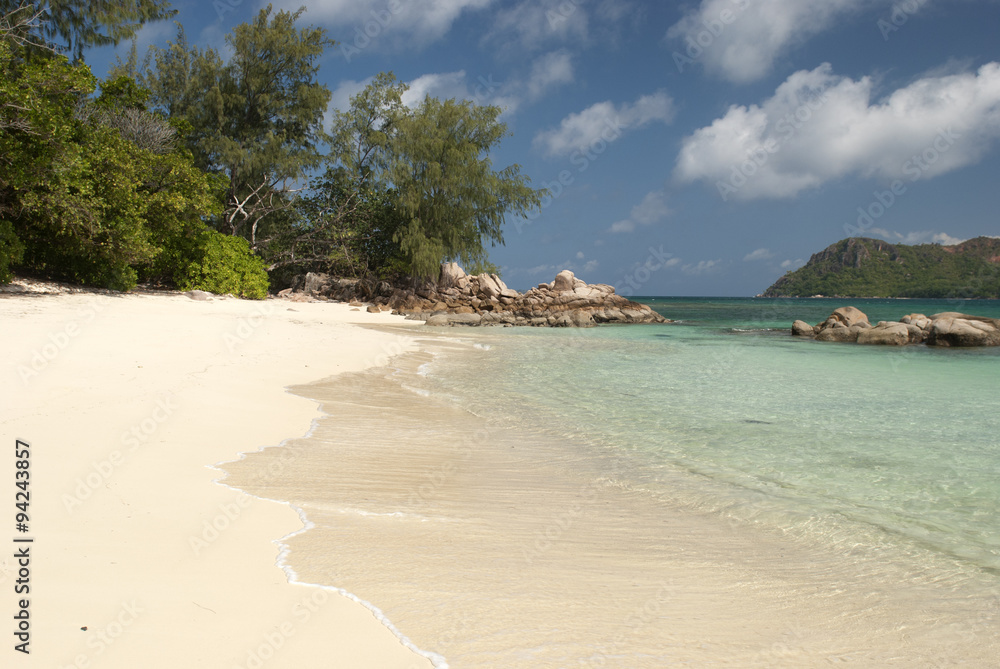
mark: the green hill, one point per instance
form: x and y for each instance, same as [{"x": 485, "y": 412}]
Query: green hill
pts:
[{"x": 862, "y": 267}]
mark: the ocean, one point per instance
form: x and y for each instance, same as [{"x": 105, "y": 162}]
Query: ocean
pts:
[{"x": 710, "y": 492}]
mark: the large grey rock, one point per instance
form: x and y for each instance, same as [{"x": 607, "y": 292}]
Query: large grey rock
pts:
[
  {"x": 839, "y": 334},
  {"x": 920, "y": 320},
  {"x": 849, "y": 316},
  {"x": 890, "y": 334},
  {"x": 488, "y": 286},
  {"x": 451, "y": 276},
  {"x": 316, "y": 283},
  {"x": 564, "y": 281},
  {"x": 464, "y": 319},
  {"x": 803, "y": 329},
  {"x": 952, "y": 329}
]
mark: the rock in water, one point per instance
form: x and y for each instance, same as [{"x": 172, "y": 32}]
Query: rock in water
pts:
[
  {"x": 952, "y": 329},
  {"x": 891, "y": 334},
  {"x": 945, "y": 329},
  {"x": 849, "y": 316},
  {"x": 803, "y": 329}
]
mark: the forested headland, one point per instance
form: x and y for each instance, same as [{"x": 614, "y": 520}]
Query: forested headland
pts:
[
  {"x": 185, "y": 168},
  {"x": 862, "y": 267}
]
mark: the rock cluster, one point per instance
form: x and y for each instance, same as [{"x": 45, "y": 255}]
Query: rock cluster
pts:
[
  {"x": 457, "y": 298},
  {"x": 849, "y": 324}
]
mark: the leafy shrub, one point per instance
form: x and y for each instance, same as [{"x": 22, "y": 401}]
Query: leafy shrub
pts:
[
  {"x": 11, "y": 251},
  {"x": 226, "y": 265}
]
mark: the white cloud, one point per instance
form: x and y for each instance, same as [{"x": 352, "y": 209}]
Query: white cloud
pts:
[
  {"x": 819, "y": 127},
  {"x": 622, "y": 226},
  {"x": 548, "y": 71},
  {"x": 652, "y": 209},
  {"x": 759, "y": 254},
  {"x": 590, "y": 265},
  {"x": 792, "y": 264},
  {"x": 921, "y": 237},
  {"x": 740, "y": 40},
  {"x": 368, "y": 22},
  {"x": 604, "y": 122},
  {"x": 532, "y": 24},
  {"x": 579, "y": 255},
  {"x": 701, "y": 267},
  {"x": 340, "y": 98},
  {"x": 445, "y": 85}
]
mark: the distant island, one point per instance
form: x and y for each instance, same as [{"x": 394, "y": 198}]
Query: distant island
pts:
[{"x": 863, "y": 267}]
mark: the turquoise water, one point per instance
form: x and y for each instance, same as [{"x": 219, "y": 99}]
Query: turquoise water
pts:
[{"x": 851, "y": 447}]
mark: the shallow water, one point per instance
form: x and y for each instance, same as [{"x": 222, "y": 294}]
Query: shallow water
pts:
[{"x": 707, "y": 493}]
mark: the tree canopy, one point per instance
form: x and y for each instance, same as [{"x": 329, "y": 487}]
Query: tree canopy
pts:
[
  {"x": 196, "y": 170},
  {"x": 74, "y": 25}
]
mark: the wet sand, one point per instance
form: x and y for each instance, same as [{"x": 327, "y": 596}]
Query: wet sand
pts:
[{"x": 512, "y": 547}]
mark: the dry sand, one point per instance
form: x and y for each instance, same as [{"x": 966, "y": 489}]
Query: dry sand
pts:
[{"x": 139, "y": 558}]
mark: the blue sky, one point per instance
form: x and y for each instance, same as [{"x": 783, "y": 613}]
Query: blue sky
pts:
[{"x": 699, "y": 148}]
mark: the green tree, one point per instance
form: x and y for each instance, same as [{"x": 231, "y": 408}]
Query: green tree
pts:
[
  {"x": 443, "y": 198},
  {"x": 74, "y": 25},
  {"x": 257, "y": 118}
]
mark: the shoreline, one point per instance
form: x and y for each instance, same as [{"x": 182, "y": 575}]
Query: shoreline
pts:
[
  {"x": 142, "y": 555},
  {"x": 450, "y": 517}
]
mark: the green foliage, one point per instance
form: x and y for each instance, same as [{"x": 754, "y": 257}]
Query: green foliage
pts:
[
  {"x": 74, "y": 25},
  {"x": 11, "y": 251},
  {"x": 445, "y": 198},
  {"x": 257, "y": 118},
  {"x": 226, "y": 266},
  {"x": 860, "y": 267},
  {"x": 80, "y": 200}
]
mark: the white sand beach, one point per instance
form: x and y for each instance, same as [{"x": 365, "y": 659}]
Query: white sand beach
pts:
[{"x": 139, "y": 558}]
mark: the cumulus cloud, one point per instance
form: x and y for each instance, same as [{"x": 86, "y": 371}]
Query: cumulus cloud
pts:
[
  {"x": 548, "y": 71},
  {"x": 444, "y": 85},
  {"x": 739, "y": 40},
  {"x": 701, "y": 267},
  {"x": 818, "y": 127},
  {"x": 622, "y": 226},
  {"x": 792, "y": 264},
  {"x": 920, "y": 237},
  {"x": 759, "y": 254},
  {"x": 652, "y": 209},
  {"x": 603, "y": 121},
  {"x": 532, "y": 25},
  {"x": 366, "y": 22}
]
